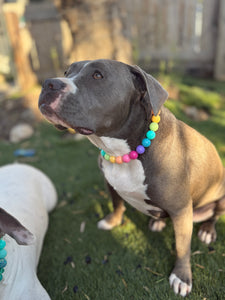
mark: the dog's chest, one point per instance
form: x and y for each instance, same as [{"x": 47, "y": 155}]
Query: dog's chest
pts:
[{"x": 128, "y": 179}]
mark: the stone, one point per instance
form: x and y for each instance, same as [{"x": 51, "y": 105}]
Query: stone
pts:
[{"x": 20, "y": 132}]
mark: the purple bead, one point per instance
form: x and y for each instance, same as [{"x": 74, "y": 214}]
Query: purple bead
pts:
[{"x": 140, "y": 149}]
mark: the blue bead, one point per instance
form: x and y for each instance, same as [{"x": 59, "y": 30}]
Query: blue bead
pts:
[
  {"x": 2, "y": 244},
  {"x": 3, "y": 253},
  {"x": 102, "y": 153},
  {"x": 3, "y": 263},
  {"x": 146, "y": 143},
  {"x": 150, "y": 134}
]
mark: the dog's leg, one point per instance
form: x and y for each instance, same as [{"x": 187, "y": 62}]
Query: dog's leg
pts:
[
  {"x": 207, "y": 232},
  {"x": 181, "y": 276},
  {"x": 115, "y": 218}
]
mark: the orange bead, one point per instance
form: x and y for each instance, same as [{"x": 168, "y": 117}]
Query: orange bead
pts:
[
  {"x": 156, "y": 119},
  {"x": 112, "y": 159},
  {"x": 119, "y": 160}
]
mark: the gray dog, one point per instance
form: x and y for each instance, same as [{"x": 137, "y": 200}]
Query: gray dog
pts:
[{"x": 179, "y": 175}]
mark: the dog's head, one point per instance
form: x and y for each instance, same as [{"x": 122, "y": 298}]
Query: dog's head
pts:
[
  {"x": 97, "y": 96},
  {"x": 11, "y": 226}
]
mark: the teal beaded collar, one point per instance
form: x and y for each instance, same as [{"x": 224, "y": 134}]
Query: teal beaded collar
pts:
[
  {"x": 3, "y": 261},
  {"x": 140, "y": 149}
]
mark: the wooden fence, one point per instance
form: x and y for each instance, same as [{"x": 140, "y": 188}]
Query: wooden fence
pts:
[
  {"x": 188, "y": 34},
  {"x": 157, "y": 34}
]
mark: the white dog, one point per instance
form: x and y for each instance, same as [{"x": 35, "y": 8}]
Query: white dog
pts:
[{"x": 26, "y": 197}]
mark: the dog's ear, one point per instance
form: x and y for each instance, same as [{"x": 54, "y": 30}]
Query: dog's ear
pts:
[
  {"x": 154, "y": 94},
  {"x": 11, "y": 226}
]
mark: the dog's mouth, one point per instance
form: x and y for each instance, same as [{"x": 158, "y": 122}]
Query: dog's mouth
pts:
[{"x": 59, "y": 123}]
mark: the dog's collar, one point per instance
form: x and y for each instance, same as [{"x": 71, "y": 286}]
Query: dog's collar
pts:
[
  {"x": 140, "y": 149},
  {"x": 3, "y": 254}
]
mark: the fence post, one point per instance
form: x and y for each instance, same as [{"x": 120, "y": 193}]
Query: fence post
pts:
[{"x": 219, "y": 68}]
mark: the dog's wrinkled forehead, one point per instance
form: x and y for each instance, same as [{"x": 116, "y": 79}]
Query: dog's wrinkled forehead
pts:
[{"x": 108, "y": 68}]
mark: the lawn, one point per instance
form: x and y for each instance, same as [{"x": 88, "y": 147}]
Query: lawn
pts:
[{"x": 79, "y": 261}]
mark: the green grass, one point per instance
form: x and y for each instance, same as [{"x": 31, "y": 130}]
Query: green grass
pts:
[{"x": 129, "y": 262}]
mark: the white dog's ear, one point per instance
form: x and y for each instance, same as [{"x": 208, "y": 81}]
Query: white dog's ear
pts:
[
  {"x": 11, "y": 226},
  {"x": 154, "y": 94}
]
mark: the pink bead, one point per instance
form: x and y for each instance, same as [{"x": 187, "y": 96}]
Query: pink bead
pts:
[
  {"x": 133, "y": 155},
  {"x": 126, "y": 158}
]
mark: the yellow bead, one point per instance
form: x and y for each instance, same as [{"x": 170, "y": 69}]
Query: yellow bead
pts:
[
  {"x": 112, "y": 159},
  {"x": 156, "y": 119},
  {"x": 71, "y": 130}
]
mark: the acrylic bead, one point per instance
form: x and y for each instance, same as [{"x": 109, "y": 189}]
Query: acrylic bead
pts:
[
  {"x": 119, "y": 160},
  {"x": 140, "y": 149},
  {"x": 154, "y": 126},
  {"x": 3, "y": 253},
  {"x": 133, "y": 155},
  {"x": 112, "y": 159},
  {"x": 146, "y": 143},
  {"x": 2, "y": 244},
  {"x": 3, "y": 263},
  {"x": 156, "y": 119},
  {"x": 2, "y": 270},
  {"x": 150, "y": 134},
  {"x": 107, "y": 157},
  {"x": 1, "y": 277},
  {"x": 102, "y": 153},
  {"x": 126, "y": 158}
]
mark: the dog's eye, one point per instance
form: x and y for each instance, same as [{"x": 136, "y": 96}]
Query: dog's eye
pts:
[{"x": 97, "y": 75}]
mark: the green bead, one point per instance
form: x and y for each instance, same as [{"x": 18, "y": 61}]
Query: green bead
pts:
[
  {"x": 2, "y": 244},
  {"x": 107, "y": 157},
  {"x": 154, "y": 126},
  {"x": 1, "y": 277},
  {"x": 2, "y": 270}
]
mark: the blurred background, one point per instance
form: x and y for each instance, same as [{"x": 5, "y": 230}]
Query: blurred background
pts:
[{"x": 38, "y": 39}]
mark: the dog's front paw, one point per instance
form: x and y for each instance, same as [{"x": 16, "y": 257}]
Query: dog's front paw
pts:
[
  {"x": 104, "y": 225},
  {"x": 179, "y": 287},
  {"x": 156, "y": 225},
  {"x": 207, "y": 233},
  {"x": 111, "y": 220}
]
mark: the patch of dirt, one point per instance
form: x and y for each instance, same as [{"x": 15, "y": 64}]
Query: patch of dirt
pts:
[
  {"x": 20, "y": 110},
  {"x": 13, "y": 112}
]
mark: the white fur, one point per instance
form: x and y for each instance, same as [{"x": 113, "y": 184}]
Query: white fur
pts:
[
  {"x": 205, "y": 237},
  {"x": 127, "y": 178},
  {"x": 179, "y": 286},
  {"x": 70, "y": 85},
  {"x": 28, "y": 195},
  {"x": 156, "y": 225},
  {"x": 104, "y": 225}
]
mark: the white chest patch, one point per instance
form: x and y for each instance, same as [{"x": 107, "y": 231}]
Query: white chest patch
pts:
[{"x": 127, "y": 178}]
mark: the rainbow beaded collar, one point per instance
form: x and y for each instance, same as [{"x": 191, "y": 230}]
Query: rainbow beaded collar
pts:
[
  {"x": 146, "y": 142},
  {"x": 3, "y": 261}
]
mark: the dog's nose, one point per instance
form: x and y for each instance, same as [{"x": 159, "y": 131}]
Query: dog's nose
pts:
[{"x": 53, "y": 84}]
